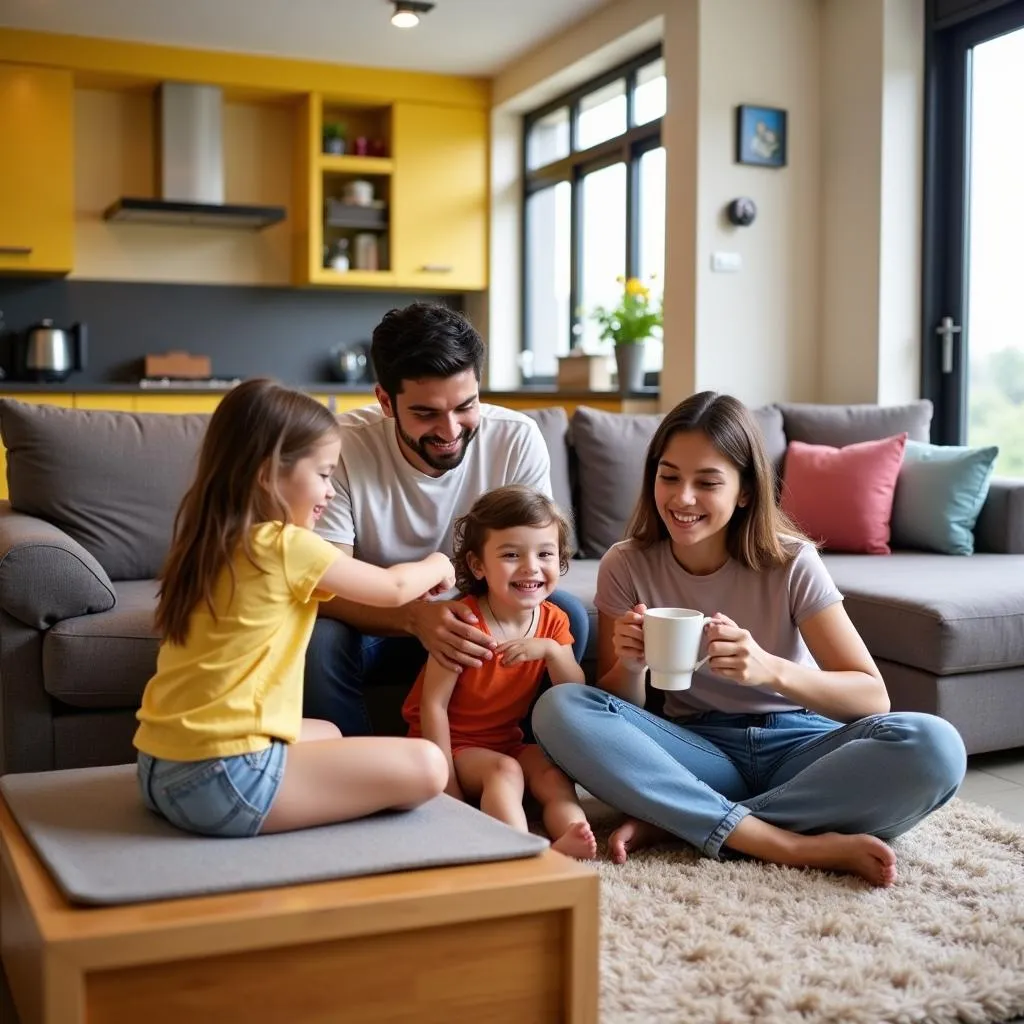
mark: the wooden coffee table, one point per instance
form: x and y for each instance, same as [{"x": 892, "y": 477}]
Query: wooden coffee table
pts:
[{"x": 509, "y": 941}]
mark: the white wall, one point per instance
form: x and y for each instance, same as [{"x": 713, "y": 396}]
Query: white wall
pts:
[
  {"x": 757, "y": 330},
  {"x": 873, "y": 74}
]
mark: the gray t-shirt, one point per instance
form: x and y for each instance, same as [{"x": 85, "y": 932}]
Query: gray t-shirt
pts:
[
  {"x": 770, "y": 604},
  {"x": 391, "y": 512}
]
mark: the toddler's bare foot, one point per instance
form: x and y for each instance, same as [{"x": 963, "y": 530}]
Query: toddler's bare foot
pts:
[
  {"x": 577, "y": 841},
  {"x": 862, "y": 855},
  {"x": 633, "y": 835}
]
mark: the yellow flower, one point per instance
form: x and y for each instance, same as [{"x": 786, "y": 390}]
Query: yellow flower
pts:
[{"x": 634, "y": 287}]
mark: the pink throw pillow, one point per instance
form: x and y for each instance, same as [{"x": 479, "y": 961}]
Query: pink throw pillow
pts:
[{"x": 843, "y": 496}]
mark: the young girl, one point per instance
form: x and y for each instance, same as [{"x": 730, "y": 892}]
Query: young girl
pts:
[
  {"x": 510, "y": 550},
  {"x": 223, "y": 748},
  {"x": 753, "y": 757}
]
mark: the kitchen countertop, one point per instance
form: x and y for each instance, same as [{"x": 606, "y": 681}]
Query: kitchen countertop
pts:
[{"x": 12, "y": 387}]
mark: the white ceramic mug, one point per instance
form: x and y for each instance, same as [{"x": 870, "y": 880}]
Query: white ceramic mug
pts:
[{"x": 672, "y": 638}]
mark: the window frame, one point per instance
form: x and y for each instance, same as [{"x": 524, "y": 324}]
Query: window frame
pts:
[{"x": 626, "y": 148}]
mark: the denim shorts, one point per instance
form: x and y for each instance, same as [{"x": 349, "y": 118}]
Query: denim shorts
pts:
[{"x": 223, "y": 796}]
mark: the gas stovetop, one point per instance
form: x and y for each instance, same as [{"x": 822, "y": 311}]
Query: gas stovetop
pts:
[{"x": 190, "y": 383}]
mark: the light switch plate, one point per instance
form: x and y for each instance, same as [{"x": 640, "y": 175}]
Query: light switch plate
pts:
[{"x": 726, "y": 262}]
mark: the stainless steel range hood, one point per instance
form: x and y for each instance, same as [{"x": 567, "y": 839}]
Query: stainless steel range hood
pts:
[{"x": 190, "y": 167}]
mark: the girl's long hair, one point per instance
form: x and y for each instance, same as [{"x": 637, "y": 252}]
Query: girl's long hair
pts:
[
  {"x": 758, "y": 531},
  {"x": 502, "y": 509},
  {"x": 259, "y": 430}
]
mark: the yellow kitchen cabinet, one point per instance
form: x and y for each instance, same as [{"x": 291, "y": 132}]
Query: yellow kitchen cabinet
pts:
[
  {"x": 37, "y": 207},
  {"x": 177, "y": 403},
  {"x": 439, "y": 197},
  {"x": 64, "y": 401},
  {"x": 107, "y": 403}
]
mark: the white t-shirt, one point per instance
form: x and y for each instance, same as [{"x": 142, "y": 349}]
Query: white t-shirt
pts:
[
  {"x": 391, "y": 512},
  {"x": 771, "y": 604}
]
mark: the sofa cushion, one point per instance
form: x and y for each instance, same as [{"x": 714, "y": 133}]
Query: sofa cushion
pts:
[
  {"x": 45, "y": 576},
  {"x": 610, "y": 449},
  {"x": 840, "y": 425},
  {"x": 935, "y": 613},
  {"x": 581, "y": 581},
  {"x": 843, "y": 497},
  {"x": 554, "y": 428},
  {"x": 939, "y": 493},
  {"x": 104, "y": 660},
  {"x": 110, "y": 480}
]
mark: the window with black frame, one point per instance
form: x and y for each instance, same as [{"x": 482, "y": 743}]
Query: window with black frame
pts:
[{"x": 593, "y": 209}]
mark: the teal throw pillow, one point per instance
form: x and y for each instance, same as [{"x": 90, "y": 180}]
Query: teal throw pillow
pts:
[{"x": 939, "y": 495}]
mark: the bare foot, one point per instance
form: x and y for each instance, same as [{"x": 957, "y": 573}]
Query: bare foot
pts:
[
  {"x": 633, "y": 835},
  {"x": 862, "y": 855},
  {"x": 577, "y": 841}
]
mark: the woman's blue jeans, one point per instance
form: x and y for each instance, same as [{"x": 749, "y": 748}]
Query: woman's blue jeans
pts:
[{"x": 797, "y": 770}]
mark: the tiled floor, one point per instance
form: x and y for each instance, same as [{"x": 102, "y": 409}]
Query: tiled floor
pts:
[{"x": 995, "y": 780}]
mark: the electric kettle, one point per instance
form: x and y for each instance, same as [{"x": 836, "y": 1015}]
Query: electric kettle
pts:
[{"x": 51, "y": 353}]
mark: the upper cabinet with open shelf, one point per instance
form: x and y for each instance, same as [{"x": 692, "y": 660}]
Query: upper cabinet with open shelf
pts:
[{"x": 403, "y": 205}]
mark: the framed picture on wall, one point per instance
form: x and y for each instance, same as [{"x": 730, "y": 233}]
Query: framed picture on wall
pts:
[{"x": 760, "y": 136}]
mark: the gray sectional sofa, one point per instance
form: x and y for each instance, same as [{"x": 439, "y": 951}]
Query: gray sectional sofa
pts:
[{"x": 93, "y": 495}]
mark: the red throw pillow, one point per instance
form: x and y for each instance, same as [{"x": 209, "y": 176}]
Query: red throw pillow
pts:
[{"x": 843, "y": 496}]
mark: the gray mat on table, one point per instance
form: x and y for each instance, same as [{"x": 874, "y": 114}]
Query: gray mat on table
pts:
[{"x": 102, "y": 846}]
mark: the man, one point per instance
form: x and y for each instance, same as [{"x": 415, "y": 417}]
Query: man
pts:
[{"x": 408, "y": 470}]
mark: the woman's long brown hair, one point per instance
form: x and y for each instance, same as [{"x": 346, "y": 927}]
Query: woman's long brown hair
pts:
[
  {"x": 758, "y": 530},
  {"x": 258, "y": 430}
]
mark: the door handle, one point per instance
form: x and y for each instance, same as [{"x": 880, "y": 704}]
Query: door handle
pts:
[
  {"x": 947, "y": 330},
  {"x": 15, "y": 250},
  {"x": 437, "y": 268}
]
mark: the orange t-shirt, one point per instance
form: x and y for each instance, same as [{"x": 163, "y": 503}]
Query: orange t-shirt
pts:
[{"x": 489, "y": 702}]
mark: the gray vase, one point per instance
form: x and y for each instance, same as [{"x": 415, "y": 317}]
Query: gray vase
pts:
[{"x": 629, "y": 358}]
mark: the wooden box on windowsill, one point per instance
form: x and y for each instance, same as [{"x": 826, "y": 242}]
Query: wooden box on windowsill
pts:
[{"x": 586, "y": 373}]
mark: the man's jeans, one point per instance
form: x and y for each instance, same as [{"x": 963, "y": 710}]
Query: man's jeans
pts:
[
  {"x": 341, "y": 663},
  {"x": 794, "y": 769}
]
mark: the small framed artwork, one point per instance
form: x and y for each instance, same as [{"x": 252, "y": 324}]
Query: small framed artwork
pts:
[{"x": 760, "y": 136}]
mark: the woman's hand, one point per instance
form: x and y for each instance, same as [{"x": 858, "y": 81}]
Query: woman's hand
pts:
[
  {"x": 628, "y": 638},
  {"x": 736, "y": 655}
]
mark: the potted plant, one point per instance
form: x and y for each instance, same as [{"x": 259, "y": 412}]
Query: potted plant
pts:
[
  {"x": 334, "y": 137},
  {"x": 628, "y": 325}
]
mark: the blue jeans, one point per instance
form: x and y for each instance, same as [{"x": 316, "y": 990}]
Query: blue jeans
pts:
[
  {"x": 341, "y": 663},
  {"x": 796, "y": 769},
  {"x": 221, "y": 796}
]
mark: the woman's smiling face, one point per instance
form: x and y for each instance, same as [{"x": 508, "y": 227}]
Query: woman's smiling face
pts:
[{"x": 696, "y": 490}]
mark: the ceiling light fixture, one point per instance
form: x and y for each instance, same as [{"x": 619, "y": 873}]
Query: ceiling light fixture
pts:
[{"x": 407, "y": 12}]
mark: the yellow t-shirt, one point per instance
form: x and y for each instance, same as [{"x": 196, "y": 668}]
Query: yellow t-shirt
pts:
[{"x": 236, "y": 683}]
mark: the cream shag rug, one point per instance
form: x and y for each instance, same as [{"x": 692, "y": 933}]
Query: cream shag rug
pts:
[{"x": 686, "y": 939}]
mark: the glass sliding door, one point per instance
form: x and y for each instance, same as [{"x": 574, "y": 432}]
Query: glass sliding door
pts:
[{"x": 974, "y": 234}]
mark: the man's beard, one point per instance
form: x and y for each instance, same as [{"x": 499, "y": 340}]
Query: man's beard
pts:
[{"x": 442, "y": 463}]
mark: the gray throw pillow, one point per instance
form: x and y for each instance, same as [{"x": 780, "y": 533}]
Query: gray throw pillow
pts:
[
  {"x": 554, "y": 427},
  {"x": 610, "y": 448},
  {"x": 840, "y": 425},
  {"x": 110, "y": 480}
]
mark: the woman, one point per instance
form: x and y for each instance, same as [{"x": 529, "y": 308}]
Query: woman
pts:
[{"x": 783, "y": 748}]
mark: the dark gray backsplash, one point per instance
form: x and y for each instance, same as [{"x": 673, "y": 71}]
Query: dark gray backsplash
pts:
[{"x": 285, "y": 333}]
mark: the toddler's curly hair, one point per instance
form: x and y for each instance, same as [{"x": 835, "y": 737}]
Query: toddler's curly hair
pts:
[{"x": 502, "y": 509}]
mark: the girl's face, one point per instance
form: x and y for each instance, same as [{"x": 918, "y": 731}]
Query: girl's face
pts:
[
  {"x": 520, "y": 565},
  {"x": 306, "y": 486},
  {"x": 696, "y": 490}
]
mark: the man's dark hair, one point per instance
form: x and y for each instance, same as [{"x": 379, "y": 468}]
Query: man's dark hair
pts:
[{"x": 425, "y": 339}]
